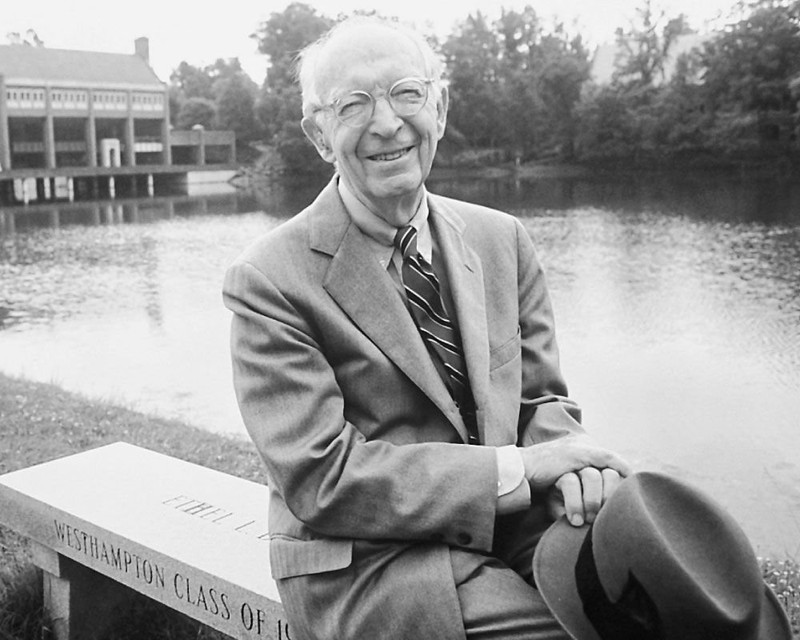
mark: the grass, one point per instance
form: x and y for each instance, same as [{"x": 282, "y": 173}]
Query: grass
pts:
[
  {"x": 40, "y": 422},
  {"x": 783, "y": 576}
]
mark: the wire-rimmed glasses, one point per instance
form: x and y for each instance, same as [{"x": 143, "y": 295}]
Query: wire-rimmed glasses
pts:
[{"x": 407, "y": 96}]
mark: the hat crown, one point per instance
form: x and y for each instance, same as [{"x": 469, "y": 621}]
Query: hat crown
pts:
[{"x": 689, "y": 555}]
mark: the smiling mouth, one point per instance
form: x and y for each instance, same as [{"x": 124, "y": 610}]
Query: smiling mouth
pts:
[{"x": 388, "y": 157}]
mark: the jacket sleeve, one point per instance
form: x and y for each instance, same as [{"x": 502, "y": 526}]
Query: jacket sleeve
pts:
[
  {"x": 332, "y": 478},
  {"x": 546, "y": 411}
]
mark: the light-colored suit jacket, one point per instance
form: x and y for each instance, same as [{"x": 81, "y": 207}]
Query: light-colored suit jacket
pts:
[{"x": 358, "y": 432}]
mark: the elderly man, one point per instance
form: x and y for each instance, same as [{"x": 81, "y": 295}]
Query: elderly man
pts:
[{"x": 396, "y": 367}]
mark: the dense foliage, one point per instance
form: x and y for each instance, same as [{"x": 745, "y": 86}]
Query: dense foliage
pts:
[
  {"x": 522, "y": 89},
  {"x": 281, "y": 38},
  {"x": 219, "y": 96},
  {"x": 514, "y": 85},
  {"x": 734, "y": 97}
]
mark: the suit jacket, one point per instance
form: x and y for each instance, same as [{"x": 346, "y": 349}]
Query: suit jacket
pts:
[{"x": 360, "y": 437}]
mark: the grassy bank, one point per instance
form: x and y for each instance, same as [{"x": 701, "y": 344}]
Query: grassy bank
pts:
[{"x": 40, "y": 422}]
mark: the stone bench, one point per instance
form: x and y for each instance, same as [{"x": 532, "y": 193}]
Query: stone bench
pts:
[{"x": 121, "y": 518}]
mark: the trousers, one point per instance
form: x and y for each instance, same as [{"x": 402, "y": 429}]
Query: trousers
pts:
[{"x": 396, "y": 590}]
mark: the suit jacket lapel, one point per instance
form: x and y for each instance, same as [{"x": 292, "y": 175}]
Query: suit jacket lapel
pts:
[
  {"x": 366, "y": 293},
  {"x": 465, "y": 275}
]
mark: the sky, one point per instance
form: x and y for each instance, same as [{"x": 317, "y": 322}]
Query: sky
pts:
[{"x": 199, "y": 33}]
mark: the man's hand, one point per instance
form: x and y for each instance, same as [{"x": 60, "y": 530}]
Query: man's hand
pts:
[
  {"x": 583, "y": 476},
  {"x": 580, "y": 495}
]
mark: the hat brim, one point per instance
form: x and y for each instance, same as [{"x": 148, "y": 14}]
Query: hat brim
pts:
[
  {"x": 774, "y": 621},
  {"x": 553, "y": 562}
]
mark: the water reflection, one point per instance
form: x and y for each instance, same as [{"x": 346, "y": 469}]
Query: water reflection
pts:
[
  {"x": 678, "y": 307},
  {"x": 701, "y": 195},
  {"x": 282, "y": 199}
]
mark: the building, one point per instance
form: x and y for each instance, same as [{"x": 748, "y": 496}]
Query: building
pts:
[{"x": 91, "y": 122}]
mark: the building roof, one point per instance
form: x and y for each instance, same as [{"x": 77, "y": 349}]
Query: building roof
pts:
[{"x": 23, "y": 63}]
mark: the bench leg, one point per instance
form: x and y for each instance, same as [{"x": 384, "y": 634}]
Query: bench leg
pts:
[{"x": 79, "y": 603}]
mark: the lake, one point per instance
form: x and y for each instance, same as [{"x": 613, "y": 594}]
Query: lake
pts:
[{"x": 677, "y": 302}]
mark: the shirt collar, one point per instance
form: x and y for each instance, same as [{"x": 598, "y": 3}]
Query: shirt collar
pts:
[{"x": 381, "y": 232}]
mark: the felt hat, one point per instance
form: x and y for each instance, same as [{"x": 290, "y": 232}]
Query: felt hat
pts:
[{"x": 662, "y": 561}]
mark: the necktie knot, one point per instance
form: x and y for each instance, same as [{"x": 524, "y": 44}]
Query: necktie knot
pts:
[{"x": 406, "y": 241}]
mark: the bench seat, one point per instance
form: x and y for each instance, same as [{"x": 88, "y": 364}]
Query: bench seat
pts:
[{"x": 189, "y": 537}]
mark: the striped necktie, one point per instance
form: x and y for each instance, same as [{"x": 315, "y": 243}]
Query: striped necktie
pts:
[{"x": 440, "y": 336}]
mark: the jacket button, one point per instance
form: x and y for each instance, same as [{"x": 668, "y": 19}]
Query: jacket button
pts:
[{"x": 464, "y": 538}]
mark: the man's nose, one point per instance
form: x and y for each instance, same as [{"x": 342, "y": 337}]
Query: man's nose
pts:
[{"x": 385, "y": 121}]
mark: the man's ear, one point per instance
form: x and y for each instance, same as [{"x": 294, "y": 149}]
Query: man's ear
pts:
[
  {"x": 317, "y": 136},
  {"x": 441, "y": 111}
]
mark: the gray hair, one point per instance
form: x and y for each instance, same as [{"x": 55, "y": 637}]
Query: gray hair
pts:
[{"x": 308, "y": 59}]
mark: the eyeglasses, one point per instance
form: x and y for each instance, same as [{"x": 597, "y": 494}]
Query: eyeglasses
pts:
[{"x": 407, "y": 96}]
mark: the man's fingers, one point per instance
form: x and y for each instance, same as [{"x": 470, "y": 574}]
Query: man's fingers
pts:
[
  {"x": 570, "y": 487},
  {"x": 605, "y": 459},
  {"x": 584, "y": 492},
  {"x": 547, "y": 462},
  {"x": 611, "y": 480},
  {"x": 592, "y": 483}
]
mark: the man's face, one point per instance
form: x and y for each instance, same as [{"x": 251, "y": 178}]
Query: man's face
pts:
[{"x": 385, "y": 161}]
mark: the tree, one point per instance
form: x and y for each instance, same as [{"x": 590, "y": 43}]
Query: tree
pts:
[
  {"x": 281, "y": 38},
  {"x": 515, "y": 84},
  {"x": 749, "y": 70},
  {"x": 563, "y": 68},
  {"x": 732, "y": 97},
  {"x": 196, "y": 111},
  {"x": 637, "y": 117},
  {"x": 752, "y": 62},
  {"x": 472, "y": 58},
  {"x": 681, "y": 106},
  {"x": 189, "y": 81},
  {"x": 645, "y": 47},
  {"x": 217, "y": 96},
  {"x": 521, "y": 108},
  {"x": 605, "y": 127},
  {"x": 284, "y": 35},
  {"x": 234, "y": 95},
  {"x": 235, "y": 101}
]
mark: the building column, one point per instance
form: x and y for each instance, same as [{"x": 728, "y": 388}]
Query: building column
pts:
[
  {"x": 200, "y": 158},
  {"x": 166, "y": 149},
  {"x": 49, "y": 141},
  {"x": 130, "y": 133},
  {"x": 49, "y": 133},
  {"x": 5, "y": 140},
  {"x": 130, "y": 151},
  {"x": 91, "y": 133}
]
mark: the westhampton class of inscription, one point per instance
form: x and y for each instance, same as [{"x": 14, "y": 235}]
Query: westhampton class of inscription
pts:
[
  {"x": 112, "y": 555},
  {"x": 217, "y": 515},
  {"x": 170, "y": 584}
]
